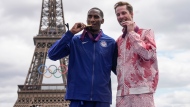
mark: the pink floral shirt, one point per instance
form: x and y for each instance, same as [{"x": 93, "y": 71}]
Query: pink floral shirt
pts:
[{"x": 137, "y": 69}]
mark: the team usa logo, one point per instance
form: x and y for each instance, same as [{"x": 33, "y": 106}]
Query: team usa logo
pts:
[{"x": 103, "y": 43}]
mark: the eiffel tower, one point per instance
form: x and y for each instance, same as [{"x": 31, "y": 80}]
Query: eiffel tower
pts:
[{"x": 33, "y": 93}]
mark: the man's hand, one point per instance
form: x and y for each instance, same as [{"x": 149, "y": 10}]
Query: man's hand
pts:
[
  {"x": 130, "y": 25},
  {"x": 77, "y": 28}
]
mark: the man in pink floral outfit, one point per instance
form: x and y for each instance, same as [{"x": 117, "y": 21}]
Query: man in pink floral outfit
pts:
[{"x": 137, "y": 69}]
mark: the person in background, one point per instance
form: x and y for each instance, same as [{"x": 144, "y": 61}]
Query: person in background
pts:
[
  {"x": 92, "y": 56},
  {"x": 137, "y": 69}
]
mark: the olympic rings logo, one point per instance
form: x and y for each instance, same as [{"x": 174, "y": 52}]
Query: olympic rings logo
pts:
[{"x": 43, "y": 69}]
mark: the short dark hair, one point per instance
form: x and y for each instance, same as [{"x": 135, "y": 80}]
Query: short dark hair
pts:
[
  {"x": 101, "y": 12},
  {"x": 122, "y": 3}
]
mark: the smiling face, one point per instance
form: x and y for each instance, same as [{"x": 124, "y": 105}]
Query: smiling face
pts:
[
  {"x": 95, "y": 19},
  {"x": 123, "y": 14}
]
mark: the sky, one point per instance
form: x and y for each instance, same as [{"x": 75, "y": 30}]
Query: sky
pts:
[{"x": 169, "y": 19}]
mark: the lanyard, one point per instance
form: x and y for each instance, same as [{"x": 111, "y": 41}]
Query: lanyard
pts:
[{"x": 90, "y": 35}]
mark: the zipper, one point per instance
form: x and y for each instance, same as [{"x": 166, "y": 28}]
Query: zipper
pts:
[
  {"x": 125, "y": 42},
  {"x": 93, "y": 72}
]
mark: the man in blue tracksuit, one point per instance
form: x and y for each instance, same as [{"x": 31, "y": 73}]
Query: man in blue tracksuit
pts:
[{"x": 92, "y": 56}]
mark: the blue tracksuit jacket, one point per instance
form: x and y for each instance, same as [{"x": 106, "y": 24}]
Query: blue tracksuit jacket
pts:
[{"x": 90, "y": 65}]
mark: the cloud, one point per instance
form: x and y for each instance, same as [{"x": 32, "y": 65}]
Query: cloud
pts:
[
  {"x": 173, "y": 69},
  {"x": 173, "y": 98},
  {"x": 163, "y": 16}
]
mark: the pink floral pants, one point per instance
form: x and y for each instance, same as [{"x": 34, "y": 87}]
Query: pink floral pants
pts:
[{"x": 135, "y": 100}]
